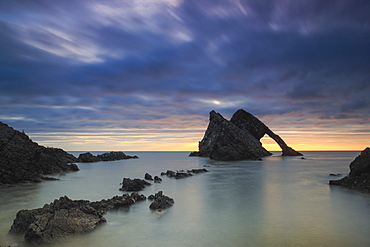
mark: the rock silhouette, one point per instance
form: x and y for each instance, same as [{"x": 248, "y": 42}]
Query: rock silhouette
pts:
[
  {"x": 110, "y": 156},
  {"x": 238, "y": 139},
  {"x": 22, "y": 160},
  {"x": 359, "y": 176}
]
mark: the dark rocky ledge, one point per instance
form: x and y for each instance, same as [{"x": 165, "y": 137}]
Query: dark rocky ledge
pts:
[
  {"x": 359, "y": 176},
  {"x": 238, "y": 139},
  {"x": 111, "y": 156},
  {"x": 24, "y": 161},
  {"x": 160, "y": 201},
  {"x": 135, "y": 184},
  {"x": 64, "y": 217}
]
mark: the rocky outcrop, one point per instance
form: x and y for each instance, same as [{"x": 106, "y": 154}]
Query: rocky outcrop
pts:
[
  {"x": 160, "y": 201},
  {"x": 237, "y": 139},
  {"x": 22, "y": 160},
  {"x": 135, "y": 184},
  {"x": 359, "y": 176},
  {"x": 111, "y": 156},
  {"x": 65, "y": 217},
  {"x": 253, "y": 125},
  {"x": 182, "y": 174}
]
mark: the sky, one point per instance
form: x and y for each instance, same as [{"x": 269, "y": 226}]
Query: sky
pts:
[{"x": 143, "y": 75}]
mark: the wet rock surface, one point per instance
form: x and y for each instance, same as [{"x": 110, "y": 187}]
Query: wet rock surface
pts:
[
  {"x": 359, "y": 176},
  {"x": 237, "y": 139},
  {"x": 160, "y": 201},
  {"x": 24, "y": 161},
  {"x": 135, "y": 184},
  {"x": 111, "y": 156},
  {"x": 65, "y": 217}
]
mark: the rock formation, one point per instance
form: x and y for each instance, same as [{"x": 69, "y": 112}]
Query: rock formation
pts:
[
  {"x": 182, "y": 174},
  {"x": 160, "y": 201},
  {"x": 22, "y": 160},
  {"x": 253, "y": 125},
  {"x": 65, "y": 217},
  {"x": 111, "y": 156},
  {"x": 135, "y": 184},
  {"x": 359, "y": 176},
  {"x": 237, "y": 139}
]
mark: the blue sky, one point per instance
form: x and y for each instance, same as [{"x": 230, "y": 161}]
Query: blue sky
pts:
[{"x": 144, "y": 74}]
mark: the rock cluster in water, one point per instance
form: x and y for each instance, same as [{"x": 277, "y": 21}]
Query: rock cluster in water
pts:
[
  {"x": 65, "y": 217},
  {"x": 359, "y": 176},
  {"x": 238, "y": 139},
  {"x": 111, "y": 156},
  {"x": 22, "y": 160}
]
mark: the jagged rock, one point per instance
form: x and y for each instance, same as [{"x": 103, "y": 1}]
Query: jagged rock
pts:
[
  {"x": 160, "y": 201},
  {"x": 237, "y": 139},
  {"x": 253, "y": 125},
  {"x": 157, "y": 179},
  {"x": 22, "y": 160},
  {"x": 135, "y": 184},
  {"x": 148, "y": 176},
  {"x": 111, "y": 156},
  {"x": 359, "y": 176},
  {"x": 65, "y": 217}
]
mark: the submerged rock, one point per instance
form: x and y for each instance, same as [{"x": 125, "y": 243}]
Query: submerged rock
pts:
[
  {"x": 157, "y": 179},
  {"x": 160, "y": 201},
  {"x": 135, "y": 184},
  {"x": 182, "y": 174},
  {"x": 65, "y": 217},
  {"x": 237, "y": 139},
  {"x": 359, "y": 176},
  {"x": 111, "y": 156},
  {"x": 22, "y": 160}
]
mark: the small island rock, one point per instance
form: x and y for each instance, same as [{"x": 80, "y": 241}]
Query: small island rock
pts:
[
  {"x": 160, "y": 201},
  {"x": 111, "y": 156},
  {"x": 135, "y": 184}
]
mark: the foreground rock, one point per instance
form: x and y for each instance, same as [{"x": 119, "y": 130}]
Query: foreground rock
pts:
[
  {"x": 135, "y": 184},
  {"x": 22, "y": 160},
  {"x": 359, "y": 176},
  {"x": 111, "y": 156},
  {"x": 237, "y": 139},
  {"x": 182, "y": 174},
  {"x": 65, "y": 217},
  {"x": 160, "y": 201}
]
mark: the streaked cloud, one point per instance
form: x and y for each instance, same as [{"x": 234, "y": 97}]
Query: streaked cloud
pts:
[{"x": 73, "y": 66}]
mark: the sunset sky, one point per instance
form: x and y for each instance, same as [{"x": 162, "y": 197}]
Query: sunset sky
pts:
[{"x": 143, "y": 75}]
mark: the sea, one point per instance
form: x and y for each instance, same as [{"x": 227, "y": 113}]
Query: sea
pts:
[{"x": 279, "y": 201}]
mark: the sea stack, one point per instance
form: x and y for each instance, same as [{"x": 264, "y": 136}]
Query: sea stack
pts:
[
  {"x": 238, "y": 139},
  {"x": 22, "y": 160}
]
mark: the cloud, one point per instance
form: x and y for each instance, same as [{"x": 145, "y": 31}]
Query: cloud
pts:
[{"x": 166, "y": 64}]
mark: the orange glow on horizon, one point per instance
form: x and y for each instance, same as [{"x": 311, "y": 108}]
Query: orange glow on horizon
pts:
[{"x": 188, "y": 141}]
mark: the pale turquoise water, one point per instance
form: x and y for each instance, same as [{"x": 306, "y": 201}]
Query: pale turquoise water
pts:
[{"x": 280, "y": 201}]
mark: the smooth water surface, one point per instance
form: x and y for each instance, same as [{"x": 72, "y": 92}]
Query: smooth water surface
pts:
[{"x": 280, "y": 201}]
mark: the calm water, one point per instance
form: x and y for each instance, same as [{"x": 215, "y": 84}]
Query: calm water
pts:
[{"x": 280, "y": 201}]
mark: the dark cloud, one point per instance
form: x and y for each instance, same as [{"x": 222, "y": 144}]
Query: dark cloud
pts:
[{"x": 72, "y": 64}]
